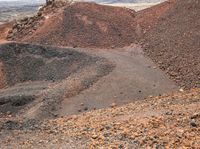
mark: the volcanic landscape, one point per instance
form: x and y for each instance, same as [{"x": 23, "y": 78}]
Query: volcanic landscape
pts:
[{"x": 86, "y": 75}]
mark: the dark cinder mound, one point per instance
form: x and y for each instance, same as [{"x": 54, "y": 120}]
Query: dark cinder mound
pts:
[
  {"x": 35, "y": 79},
  {"x": 85, "y": 25},
  {"x": 24, "y": 62},
  {"x": 174, "y": 43}
]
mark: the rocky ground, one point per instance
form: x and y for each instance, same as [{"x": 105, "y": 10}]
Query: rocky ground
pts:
[
  {"x": 134, "y": 75},
  {"x": 35, "y": 79},
  {"x": 168, "y": 121},
  {"x": 81, "y": 25},
  {"x": 168, "y": 32},
  {"x": 174, "y": 42},
  {"x": 26, "y": 26},
  {"x": 41, "y": 85}
]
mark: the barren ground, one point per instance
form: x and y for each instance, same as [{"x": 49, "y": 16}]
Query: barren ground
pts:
[
  {"x": 104, "y": 95},
  {"x": 34, "y": 79},
  {"x": 170, "y": 121},
  {"x": 134, "y": 75}
]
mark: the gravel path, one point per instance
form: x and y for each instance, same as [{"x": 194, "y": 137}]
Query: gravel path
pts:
[{"x": 134, "y": 77}]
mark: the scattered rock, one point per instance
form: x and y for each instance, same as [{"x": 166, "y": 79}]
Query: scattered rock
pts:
[
  {"x": 193, "y": 123},
  {"x": 169, "y": 113},
  {"x": 195, "y": 115},
  {"x": 86, "y": 108},
  {"x": 94, "y": 136},
  {"x": 181, "y": 90}
]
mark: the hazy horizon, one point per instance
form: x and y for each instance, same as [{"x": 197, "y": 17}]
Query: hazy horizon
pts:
[{"x": 41, "y": 1}]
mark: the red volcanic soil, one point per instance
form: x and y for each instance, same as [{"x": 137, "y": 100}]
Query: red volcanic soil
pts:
[
  {"x": 174, "y": 42},
  {"x": 86, "y": 25},
  {"x": 149, "y": 17}
]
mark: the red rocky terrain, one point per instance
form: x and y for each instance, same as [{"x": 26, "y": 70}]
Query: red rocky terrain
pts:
[
  {"x": 174, "y": 42},
  {"x": 82, "y": 25},
  {"x": 170, "y": 121},
  {"x": 38, "y": 81}
]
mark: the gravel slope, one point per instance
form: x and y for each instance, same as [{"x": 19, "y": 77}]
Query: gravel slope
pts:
[
  {"x": 174, "y": 42},
  {"x": 80, "y": 25},
  {"x": 170, "y": 121}
]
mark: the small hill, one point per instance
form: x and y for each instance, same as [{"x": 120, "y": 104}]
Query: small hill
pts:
[{"x": 83, "y": 25}]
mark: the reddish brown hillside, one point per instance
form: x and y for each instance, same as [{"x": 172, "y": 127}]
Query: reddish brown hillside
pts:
[
  {"x": 174, "y": 43},
  {"x": 149, "y": 17},
  {"x": 86, "y": 25}
]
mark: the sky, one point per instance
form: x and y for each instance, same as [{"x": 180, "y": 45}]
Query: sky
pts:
[
  {"x": 44, "y": 0},
  {"x": 23, "y": 0}
]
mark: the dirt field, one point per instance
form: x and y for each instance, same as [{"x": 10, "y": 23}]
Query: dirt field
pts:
[{"x": 167, "y": 31}]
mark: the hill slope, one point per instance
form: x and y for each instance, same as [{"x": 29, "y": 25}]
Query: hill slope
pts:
[
  {"x": 174, "y": 42},
  {"x": 170, "y": 121},
  {"x": 84, "y": 25}
]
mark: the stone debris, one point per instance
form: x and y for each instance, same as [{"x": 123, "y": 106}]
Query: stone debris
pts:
[
  {"x": 172, "y": 41},
  {"x": 137, "y": 125}
]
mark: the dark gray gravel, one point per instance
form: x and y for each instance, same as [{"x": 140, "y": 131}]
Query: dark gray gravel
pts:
[{"x": 42, "y": 76}]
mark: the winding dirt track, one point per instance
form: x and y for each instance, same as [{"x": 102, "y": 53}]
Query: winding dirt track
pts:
[{"x": 134, "y": 77}]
